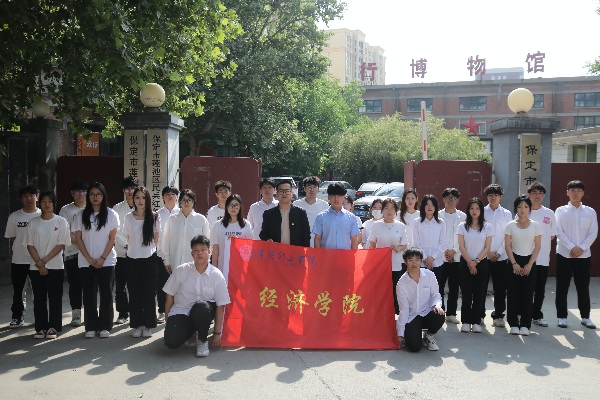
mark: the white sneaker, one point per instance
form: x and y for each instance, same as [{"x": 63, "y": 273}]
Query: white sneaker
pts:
[
  {"x": 90, "y": 334},
  {"x": 499, "y": 322},
  {"x": 588, "y": 323},
  {"x": 147, "y": 332},
  {"x": 51, "y": 334},
  {"x": 161, "y": 318},
  {"x": 524, "y": 331},
  {"x": 193, "y": 340},
  {"x": 40, "y": 335},
  {"x": 137, "y": 332},
  {"x": 104, "y": 334},
  {"x": 465, "y": 328},
  {"x": 476, "y": 328},
  {"x": 452, "y": 319},
  {"x": 514, "y": 330},
  {"x": 562, "y": 322},
  {"x": 75, "y": 318},
  {"x": 202, "y": 349},
  {"x": 121, "y": 320},
  {"x": 429, "y": 342},
  {"x": 540, "y": 322}
]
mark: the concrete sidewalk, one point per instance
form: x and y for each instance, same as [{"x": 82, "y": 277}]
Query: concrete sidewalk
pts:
[{"x": 551, "y": 363}]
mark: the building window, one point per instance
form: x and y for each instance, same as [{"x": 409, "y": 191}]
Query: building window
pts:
[
  {"x": 414, "y": 105},
  {"x": 587, "y": 99},
  {"x": 586, "y": 122},
  {"x": 481, "y": 129},
  {"x": 472, "y": 103},
  {"x": 373, "y": 106},
  {"x": 538, "y": 101},
  {"x": 585, "y": 153}
]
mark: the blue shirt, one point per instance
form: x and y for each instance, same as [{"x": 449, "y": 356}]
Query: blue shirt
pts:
[{"x": 336, "y": 229}]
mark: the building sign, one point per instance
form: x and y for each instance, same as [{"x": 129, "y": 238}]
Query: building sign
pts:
[
  {"x": 477, "y": 65},
  {"x": 419, "y": 68},
  {"x": 538, "y": 62},
  {"x": 133, "y": 154},
  {"x": 364, "y": 67},
  {"x": 156, "y": 165},
  {"x": 88, "y": 147},
  {"x": 531, "y": 157}
]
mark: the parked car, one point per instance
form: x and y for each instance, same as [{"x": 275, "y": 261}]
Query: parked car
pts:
[
  {"x": 367, "y": 188},
  {"x": 278, "y": 179},
  {"x": 393, "y": 190},
  {"x": 323, "y": 189}
]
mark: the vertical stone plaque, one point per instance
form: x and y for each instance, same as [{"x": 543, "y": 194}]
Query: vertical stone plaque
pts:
[
  {"x": 156, "y": 164},
  {"x": 133, "y": 154},
  {"x": 531, "y": 160}
]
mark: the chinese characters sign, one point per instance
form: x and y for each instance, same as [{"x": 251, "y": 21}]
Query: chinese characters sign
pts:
[
  {"x": 531, "y": 156},
  {"x": 294, "y": 297},
  {"x": 156, "y": 165},
  {"x": 88, "y": 147},
  {"x": 133, "y": 154},
  {"x": 364, "y": 67}
]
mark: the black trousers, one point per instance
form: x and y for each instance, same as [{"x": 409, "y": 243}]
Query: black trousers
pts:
[
  {"x": 121, "y": 301},
  {"x": 161, "y": 278},
  {"x": 141, "y": 281},
  {"x": 473, "y": 289},
  {"x": 413, "y": 331},
  {"x": 18, "y": 275},
  {"x": 449, "y": 271},
  {"x": 520, "y": 294},
  {"x": 579, "y": 268},
  {"x": 541, "y": 277},
  {"x": 180, "y": 326},
  {"x": 47, "y": 299},
  {"x": 96, "y": 280},
  {"x": 396, "y": 275},
  {"x": 499, "y": 274},
  {"x": 74, "y": 279}
]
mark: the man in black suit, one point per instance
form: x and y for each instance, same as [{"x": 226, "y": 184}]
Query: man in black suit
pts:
[{"x": 286, "y": 223}]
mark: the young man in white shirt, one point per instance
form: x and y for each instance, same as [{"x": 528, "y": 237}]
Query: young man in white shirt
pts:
[
  {"x": 196, "y": 294},
  {"x": 450, "y": 269},
  {"x": 577, "y": 229},
  {"x": 545, "y": 217},
  {"x": 420, "y": 305},
  {"x": 123, "y": 208},
  {"x": 169, "y": 195},
  {"x": 217, "y": 212},
  {"x": 498, "y": 217},
  {"x": 68, "y": 212},
  {"x": 310, "y": 203},
  {"x": 16, "y": 230},
  {"x": 267, "y": 201}
]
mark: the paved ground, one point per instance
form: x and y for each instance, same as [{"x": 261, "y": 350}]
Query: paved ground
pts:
[{"x": 551, "y": 363}]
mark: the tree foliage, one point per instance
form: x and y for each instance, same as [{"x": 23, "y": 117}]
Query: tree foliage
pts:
[
  {"x": 376, "y": 151},
  {"x": 594, "y": 66},
  {"x": 97, "y": 54}
]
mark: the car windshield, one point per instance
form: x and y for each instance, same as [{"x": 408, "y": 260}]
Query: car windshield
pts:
[
  {"x": 389, "y": 190},
  {"x": 370, "y": 186},
  {"x": 325, "y": 184}
]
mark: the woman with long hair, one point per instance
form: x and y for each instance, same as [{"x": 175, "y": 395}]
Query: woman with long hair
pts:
[
  {"x": 409, "y": 212},
  {"x": 376, "y": 214},
  {"x": 95, "y": 233},
  {"x": 141, "y": 228},
  {"x": 232, "y": 225},
  {"x": 474, "y": 241},
  {"x": 523, "y": 241},
  {"x": 46, "y": 238},
  {"x": 429, "y": 232}
]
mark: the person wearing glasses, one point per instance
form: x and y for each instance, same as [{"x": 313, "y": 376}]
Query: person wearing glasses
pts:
[
  {"x": 267, "y": 202},
  {"x": 232, "y": 225},
  {"x": 310, "y": 203},
  {"x": 285, "y": 223}
]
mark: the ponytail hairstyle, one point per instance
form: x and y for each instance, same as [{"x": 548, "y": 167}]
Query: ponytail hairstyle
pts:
[
  {"x": 403, "y": 207},
  {"x": 87, "y": 212},
  {"x": 150, "y": 217}
]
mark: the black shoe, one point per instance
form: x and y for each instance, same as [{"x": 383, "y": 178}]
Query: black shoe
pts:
[{"x": 15, "y": 323}]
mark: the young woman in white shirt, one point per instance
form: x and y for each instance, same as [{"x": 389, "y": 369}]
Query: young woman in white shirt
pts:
[
  {"x": 142, "y": 229},
  {"x": 409, "y": 212},
  {"x": 95, "y": 232},
  {"x": 377, "y": 215},
  {"x": 474, "y": 241},
  {"x": 429, "y": 233},
  {"x": 523, "y": 241},
  {"x": 46, "y": 237},
  {"x": 390, "y": 233},
  {"x": 231, "y": 226}
]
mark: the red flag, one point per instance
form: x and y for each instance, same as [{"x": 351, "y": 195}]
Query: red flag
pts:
[{"x": 296, "y": 297}]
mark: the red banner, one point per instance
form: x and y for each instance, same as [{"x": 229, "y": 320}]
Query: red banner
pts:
[{"x": 295, "y": 297}]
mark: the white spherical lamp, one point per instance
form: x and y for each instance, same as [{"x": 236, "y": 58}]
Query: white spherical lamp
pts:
[
  {"x": 153, "y": 96},
  {"x": 40, "y": 109},
  {"x": 520, "y": 100}
]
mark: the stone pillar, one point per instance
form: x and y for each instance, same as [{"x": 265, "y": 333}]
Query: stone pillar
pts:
[
  {"x": 522, "y": 155},
  {"x": 48, "y": 149},
  {"x": 151, "y": 150}
]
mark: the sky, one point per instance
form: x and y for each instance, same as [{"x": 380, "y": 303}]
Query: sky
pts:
[{"x": 446, "y": 33}]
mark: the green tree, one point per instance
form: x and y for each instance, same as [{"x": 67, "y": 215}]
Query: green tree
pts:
[
  {"x": 594, "y": 66},
  {"x": 97, "y": 54},
  {"x": 377, "y": 151}
]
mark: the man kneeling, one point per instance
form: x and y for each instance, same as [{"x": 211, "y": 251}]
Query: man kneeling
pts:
[
  {"x": 196, "y": 294},
  {"x": 420, "y": 304}
]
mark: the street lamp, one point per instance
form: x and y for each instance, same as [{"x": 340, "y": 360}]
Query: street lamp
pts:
[
  {"x": 153, "y": 95},
  {"x": 520, "y": 101}
]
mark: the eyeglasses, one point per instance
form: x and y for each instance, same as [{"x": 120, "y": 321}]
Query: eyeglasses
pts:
[
  {"x": 170, "y": 194},
  {"x": 80, "y": 192},
  {"x": 234, "y": 205},
  {"x": 284, "y": 191},
  {"x": 96, "y": 195},
  {"x": 187, "y": 201},
  {"x": 310, "y": 187},
  {"x": 130, "y": 189},
  {"x": 450, "y": 198}
]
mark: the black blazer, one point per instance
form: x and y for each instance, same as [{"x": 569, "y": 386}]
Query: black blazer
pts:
[{"x": 299, "y": 226}]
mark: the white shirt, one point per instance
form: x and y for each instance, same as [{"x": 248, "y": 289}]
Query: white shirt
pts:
[
  {"x": 220, "y": 236},
  {"x": 366, "y": 232},
  {"x": 164, "y": 217},
  {"x": 545, "y": 217},
  {"x": 69, "y": 212},
  {"x": 134, "y": 229},
  {"x": 386, "y": 234},
  {"x": 498, "y": 218},
  {"x": 312, "y": 210},
  {"x": 255, "y": 215},
  {"x": 178, "y": 234},
  {"x": 45, "y": 235},
  {"x": 95, "y": 241},
  {"x": 122, "y": 209},
  {"x": 214, "y": 214},
  {"x": 452, "y": 222},
  {"x": 188, "y": 286},
  {"x": 430, "y": 236},
  {"x": 576, "y": 226},
  {"x": 16, "y": 227},
  {"x": 474, "y": 239},
  {"x": 416, "y": 298},
  {"x": 410, "y": 223},
  {"x": 523, "y": 240}
]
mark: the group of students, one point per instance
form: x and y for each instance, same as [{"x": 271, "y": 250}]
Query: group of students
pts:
[{"x": 164, "y": 257}]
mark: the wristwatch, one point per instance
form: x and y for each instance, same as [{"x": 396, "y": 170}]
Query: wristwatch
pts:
[{"x": 478, "y": 260}]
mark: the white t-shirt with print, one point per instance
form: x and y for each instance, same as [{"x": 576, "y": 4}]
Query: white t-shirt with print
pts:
[
  {"x": 95, "y": 241},
  {"x": 219, "y": 235},
  {"x": 17, "y": 227},
  {"x": 386, "y": 234},
  {"x": 545, "y": 217},
  {"x": 45, "y": 235}
]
